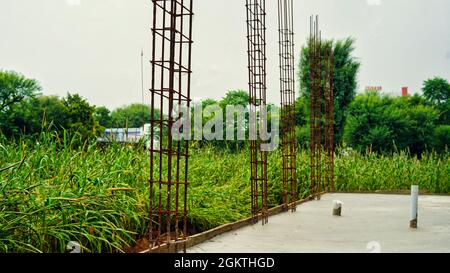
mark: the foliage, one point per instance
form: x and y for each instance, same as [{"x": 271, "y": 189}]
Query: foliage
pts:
[
  {"x": 51, "y": 113},
  {"x": 437, "y": 91},
  {"x": 346, "y": 69},
  {"x": 303, "y": 136},
  {"x": 235, "y": 97},
  {"x": 131, "y": 116},
  {"x": 20, "y": 119},
  {"x": 80, "y": 116},
  {"x": 52, "y": 192},
  {"x": 397, "y": 171},
  {"x": 441, "y": 140},
  {"x": 301, "y": 111},
  {"x": 103, "y": 117},
  {"x": 232, "y": 98},
  {"x": 14, "y": 88},
  {"x": 384, "y": 124}
]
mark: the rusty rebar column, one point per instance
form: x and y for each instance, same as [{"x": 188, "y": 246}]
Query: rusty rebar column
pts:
[
  {"x": 315, "y": 107},
  {"x": 170, "y": 90},
  {"x": 256, "y": 38},
  {"x": 329, "y": 119},
  {"x": 287, "y": 90}
]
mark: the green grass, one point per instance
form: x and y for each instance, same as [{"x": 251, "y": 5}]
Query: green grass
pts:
[
  {"x": 399, "y": 171},
  {"x": 52, "y": 193}
]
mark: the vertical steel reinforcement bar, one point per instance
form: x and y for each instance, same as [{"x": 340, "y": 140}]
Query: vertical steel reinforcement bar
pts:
[
  {"x": 287, "y": 90},
  {"x": 329, "y": 119},
  {"x": 315, "y": 106},
  {"x": 170, "y": 91},
  {"x": 256, "y": 37}
]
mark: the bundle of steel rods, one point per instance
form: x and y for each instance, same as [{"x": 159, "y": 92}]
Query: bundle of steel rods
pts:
[
  {"x": 170, "y": 90},
  {"x": 256, "y": 38},
  {"x": 287, "y": 90}
]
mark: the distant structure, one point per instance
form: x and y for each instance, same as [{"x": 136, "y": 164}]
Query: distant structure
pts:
[
  {"x": 374, "y": 88},
  {"x": 127, "y": 135},
  {"x": 404, "y": 91},
  {"x": 123, "y": 135}
]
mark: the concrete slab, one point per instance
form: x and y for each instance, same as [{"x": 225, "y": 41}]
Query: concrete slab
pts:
[{"x": 369, "y": 223}]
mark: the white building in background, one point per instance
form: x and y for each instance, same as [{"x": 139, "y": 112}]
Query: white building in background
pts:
[
  {"x": 129, "y": 135},
  {"x": 123, "y": 135}
]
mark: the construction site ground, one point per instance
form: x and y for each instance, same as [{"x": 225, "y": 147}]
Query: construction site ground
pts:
[{"x": 369, "y": 223}]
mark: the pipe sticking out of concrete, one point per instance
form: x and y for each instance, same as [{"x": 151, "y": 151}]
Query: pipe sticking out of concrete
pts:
[
  {"x": 337, "y": 208},
  {"x": 414, "y": 206}
]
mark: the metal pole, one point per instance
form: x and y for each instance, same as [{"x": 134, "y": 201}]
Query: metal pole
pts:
[{"x": 142, "y": 87}]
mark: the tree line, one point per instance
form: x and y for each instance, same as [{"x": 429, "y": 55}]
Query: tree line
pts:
[
  {"x": 368, "y": 120},
  {"x": 25, "y": 112},
  {"x": 372, "y": 120}
]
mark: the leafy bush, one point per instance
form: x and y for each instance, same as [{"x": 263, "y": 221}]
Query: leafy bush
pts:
[
  {"x": 442, "y": 138},
  {"x": 385, "y": 124}
]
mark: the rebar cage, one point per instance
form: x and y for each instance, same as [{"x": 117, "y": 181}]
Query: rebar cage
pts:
[
  {"x": 329, "y": 119},
  {"x": 256, "y": 37},
  {"x": 170, "y": 91},
  {"x": 287, "y": 90},
  {"x": 315, "y": 107},
  {"x": 321, "y": 98}
]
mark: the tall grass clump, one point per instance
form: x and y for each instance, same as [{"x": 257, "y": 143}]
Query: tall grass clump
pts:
[
  {"x": 52, "y": 193},
  {"x": 54, "y": 190},
  {"x": 393, "y": 172}
]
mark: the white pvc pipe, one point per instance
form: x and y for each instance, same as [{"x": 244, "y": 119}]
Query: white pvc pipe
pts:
[
  {"x": 337, "y": 207},
  {"x": 414, "y": 206}
]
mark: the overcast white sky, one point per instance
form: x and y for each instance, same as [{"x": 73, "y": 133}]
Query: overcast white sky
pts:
[{"x": 92, "y": 47}]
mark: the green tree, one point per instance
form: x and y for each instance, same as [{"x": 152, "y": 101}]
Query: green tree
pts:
[
  {"x": 20, "y": 120},
  {"x": 232, "y": 98},
  {"x": 33, "y": 115},
  {"x": 131, "y": 116},
  {"x": 346, "y": 69},
  {"x": 384, "y": 124},
  {"x": 302, "y": 135},
  {"x": 103, "y": 116},
  {"x": 80, "y": 116},
  {"x": 16, "y": 92},
  {"x": 302, "y": 121},
  {"x": 235, "y": 98},
  {"x": 437, "y": 91},
  {"x": 442, "y": 138},
  {"x": 301, "y": 111},
  {"x": 52, "y": 112},
  {"x": 208, "y": 102},
  {"x": 14, "y": 88}
]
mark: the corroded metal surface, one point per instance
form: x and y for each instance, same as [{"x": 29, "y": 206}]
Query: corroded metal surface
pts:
[
  {"x": 170, "y": 90},
  {"x": 287, "y": 90},
  {"x": 315, "y": 107},
  {"x": 329, "y": 119},
  {"x": 256, "y": 38}
]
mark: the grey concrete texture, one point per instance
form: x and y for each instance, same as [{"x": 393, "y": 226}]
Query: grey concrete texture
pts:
[{"x": 369, "y": 223}]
